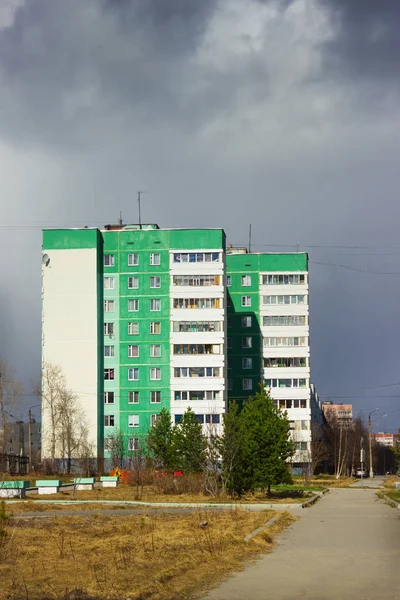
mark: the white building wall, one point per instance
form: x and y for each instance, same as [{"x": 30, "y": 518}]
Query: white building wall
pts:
[
  {"x": 300, "y": 417},
  {"x": 216, "y": 338},
  {"x": 70, "y": 329}
]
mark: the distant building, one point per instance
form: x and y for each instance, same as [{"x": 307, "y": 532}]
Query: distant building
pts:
[
  {"x": 386, "y": 439},
  {"x": 17, "y": 441},
  {"x": 338, "y": 413}
]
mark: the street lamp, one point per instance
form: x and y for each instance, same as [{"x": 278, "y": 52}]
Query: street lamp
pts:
[
  {"x": 371, "y": 470},
  {"x": 29, "y": 434}
]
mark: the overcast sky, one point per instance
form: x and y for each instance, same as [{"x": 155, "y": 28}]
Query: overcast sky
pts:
[{"x": 283, "y": 114}]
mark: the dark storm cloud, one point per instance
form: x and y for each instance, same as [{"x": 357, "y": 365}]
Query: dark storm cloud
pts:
[{"x": 366, "y": 40}]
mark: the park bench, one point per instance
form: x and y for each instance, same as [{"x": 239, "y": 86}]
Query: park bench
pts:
[
  {"x": 14, "y": 489},
  {"x": 48, "y": 486},
  {"x": 109, "y": 481},
  {"x": 84, "y": 483}
]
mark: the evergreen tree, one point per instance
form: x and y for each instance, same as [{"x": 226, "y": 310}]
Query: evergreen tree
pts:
[
  {"x": 231, "y": 452},
  {"x": 160, "y": 441},
  {"x": 189, "y": 444},
  {"x": 265, "y": 443}
]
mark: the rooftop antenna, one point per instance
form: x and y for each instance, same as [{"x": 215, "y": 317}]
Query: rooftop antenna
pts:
[
  {"x": 298, "y": 246},
  {"x": 249, "y": 239},
  {"x": 120, "y": 218},
  {"x": 139, "y": 199}
]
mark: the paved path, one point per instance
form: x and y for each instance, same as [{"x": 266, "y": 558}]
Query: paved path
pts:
[
  {"x": 369, "y": 482},
  {"x": 346, "y": 547}
]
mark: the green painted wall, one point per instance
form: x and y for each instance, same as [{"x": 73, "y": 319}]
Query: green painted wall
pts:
[
  {"x": 68, "y": 239},
  {"x": 238, "y": 265}
]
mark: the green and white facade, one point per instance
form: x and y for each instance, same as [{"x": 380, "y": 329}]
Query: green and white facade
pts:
[
  {"x": 268, "y": 335},
  {"x": 141, "y": 318},
  {"x": 136, "y": 318}
]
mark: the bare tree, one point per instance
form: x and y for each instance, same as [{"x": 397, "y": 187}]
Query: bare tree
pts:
[
  {"x": 72, "y": 430},
  {"x": 50, "y": 391},
  {"x": 10, "y": 397},
  {"x": 139, "y": 462},
  {"x": 212, "y": 469},
  {"x": 115, "y": 444}
]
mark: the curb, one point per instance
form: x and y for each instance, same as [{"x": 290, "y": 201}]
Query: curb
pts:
[
  {"x": 389, "y": 501},
  {"x": 314, "y": 498},
  {"x": 260, "y": 529}
]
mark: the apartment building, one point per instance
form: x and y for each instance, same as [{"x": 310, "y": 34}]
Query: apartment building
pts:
[
  {"x": 136, "y": 317},
  {"x": 340, "y": 414},
  {"x": 268, "y": 336}
]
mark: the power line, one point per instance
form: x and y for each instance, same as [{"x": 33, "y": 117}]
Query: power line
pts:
[
  {"x": 349, "y": 268},
  {"x": 372, "y": 387}
]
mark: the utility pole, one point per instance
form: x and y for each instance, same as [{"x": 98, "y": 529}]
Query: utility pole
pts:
[
  {"x": 139, "y": 197},
  {"x": 250, "y": 239},
  {"x": 371, "y": 469},
  {"x": 29, "y": 439}
]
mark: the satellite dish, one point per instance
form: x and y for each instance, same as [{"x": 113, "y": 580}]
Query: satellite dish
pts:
[{"x": 46, "y": 260}]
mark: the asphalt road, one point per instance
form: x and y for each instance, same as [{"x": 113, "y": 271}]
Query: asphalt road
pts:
[{"x": 347, "y": 546}]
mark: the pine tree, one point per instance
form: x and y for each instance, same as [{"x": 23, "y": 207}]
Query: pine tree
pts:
[
  {"x": 160, "y": 441},
  {"x": 265, "y": 443},
  {"x": 189, "y": 444},
  {"x": 231, "y": 452}
]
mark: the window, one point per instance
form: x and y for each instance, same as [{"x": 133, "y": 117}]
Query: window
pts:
[
  {"x": 155, "y": 304},
  {"x": 133, "y": 351},
  {"x": 108, "y": 351},
  {"x": 247, "y": 363},
  {"x": 192, "y": 257},
  {"x": 133, "y": 328},
  {"x": 247, "y": 342},
  {"x": 155, "y": 350},
  {"x": 155, "y": 397},
  {"x": 285, "y": 383},
  {"x": 108, "y": 305},
  {"x": 108, "y": 397},
  {"x": 213, "y": 419},
  {"x": 286, "y": 320},
  {"x": 301, "y": 445},
  {"x": 292, "y": 279},
  {"x": 196, "y": 280},
  {"x": 153, "y": 419},
  {"x": 133, "y": 397},
  {"x": 246, "y": 321},
  {"x": 109, "y": 283},
  {"x": 196, "y": 326},
  {"x": 230, "y": 384},
  {"x": 133, "y": 444},
  {"x": 133, "y": 374},
  {"x": 247, "y": 384},
  {"x": 178, "y": 419},
  {"x": 198, "y": 395},
  {"x": 155, "y": 282},
  {"x": 133, "y": 305},
  {"x": 228, "y": 281},
  {"x": 133, "y": 420},
  {"x": 285, "y": 299},
  {"x": 154, "y": 259},
  {"x": 155, "y": 328},
  {"x": 133, "y": 282},
  {"x": 284, "y": 341},
  {"x": 133, "y": 260},
  {"x": 284, "y": 361},
  {"x": 155, "y": 373},
  {"x": 108, "y": 420},
  {"x": 246, "y": 280},
  {"x": 229, "y": 342},
  {"x": 197, "y": 349},
  {"x": 108, "y": 328},
  {"x": 197, "y": 303},
  {"x": 197, "y": 372},
  {"x": 108, "y": 374},
  {"x": 246, "y": 300},
  {"x": 109, "y": 260}
]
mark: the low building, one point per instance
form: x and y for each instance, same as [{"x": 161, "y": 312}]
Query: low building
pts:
[
  {"x": 17, "y": 439},
  {"x": 342, "y": 414},
  {"x": 385, "y": 439}
]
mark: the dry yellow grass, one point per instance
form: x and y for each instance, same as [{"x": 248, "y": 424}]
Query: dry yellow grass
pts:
[
  {"x": 16, "y": 508},
  {"x": 137, "y": 557},
  {"x": 127, "y": 492}
]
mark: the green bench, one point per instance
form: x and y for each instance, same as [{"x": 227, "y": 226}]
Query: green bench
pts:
[
  {"x": 109, "y": 481},
  {"x": 48, "y": 486},
  {"x": 14, "y": 489},
  {"x": 84, "y": 483}
]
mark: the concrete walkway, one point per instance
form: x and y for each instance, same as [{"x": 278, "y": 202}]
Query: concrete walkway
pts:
[{"x": 345, "y": 547}]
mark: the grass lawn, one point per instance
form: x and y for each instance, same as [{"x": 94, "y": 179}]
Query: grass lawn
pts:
[{"x": 138, "y": 557}]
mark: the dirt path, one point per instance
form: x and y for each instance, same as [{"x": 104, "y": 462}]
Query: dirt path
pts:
[{"x": 346, "y": 547}]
